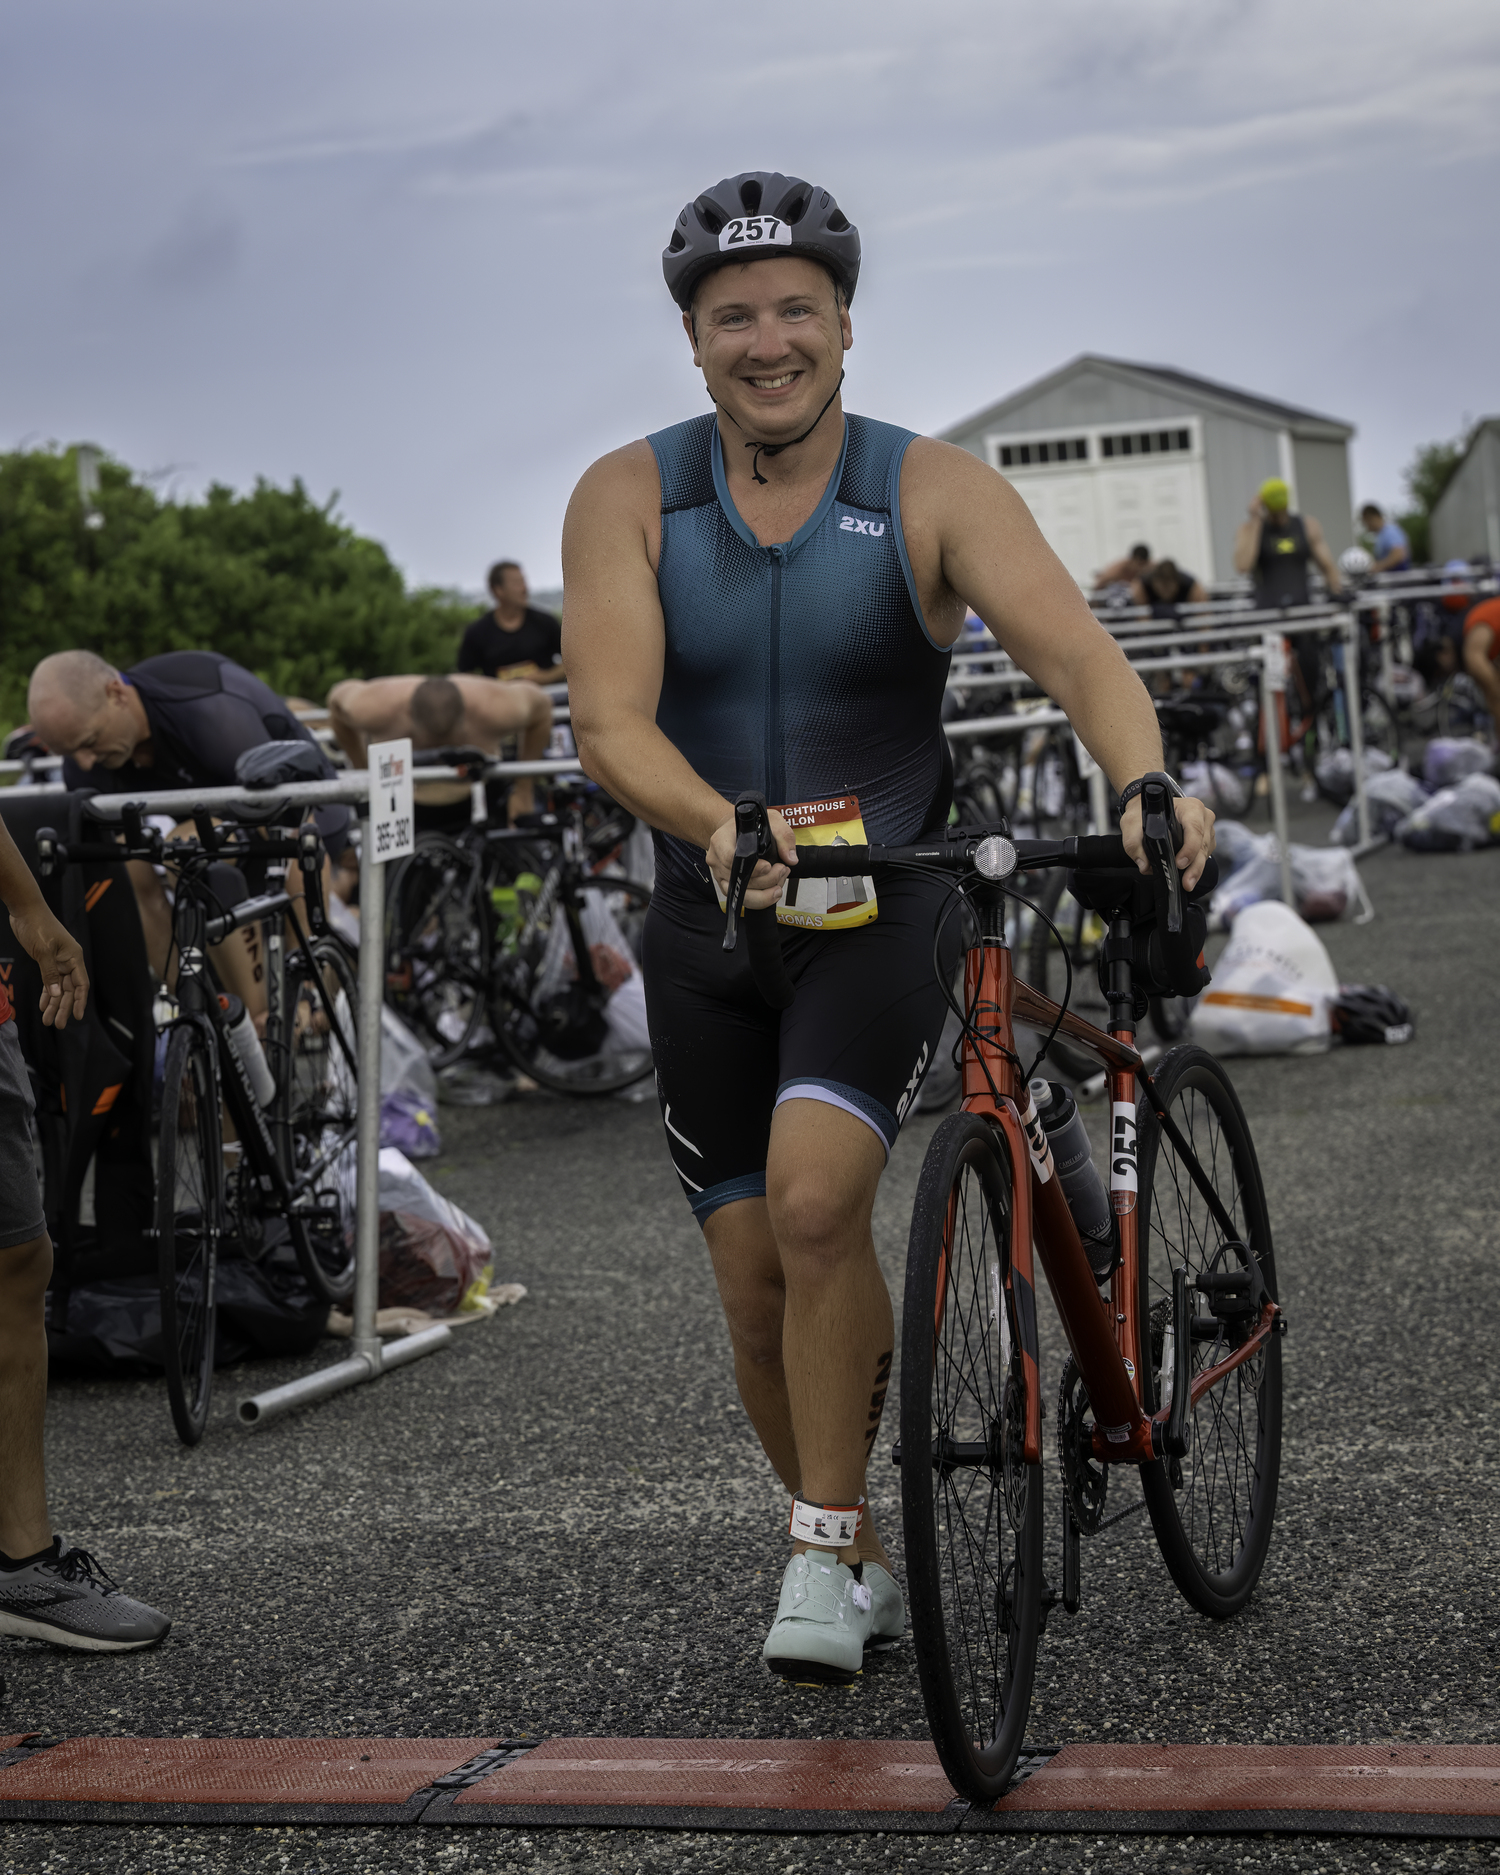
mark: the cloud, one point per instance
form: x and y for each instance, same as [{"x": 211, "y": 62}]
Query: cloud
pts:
[{"x": 200, "y": 250}]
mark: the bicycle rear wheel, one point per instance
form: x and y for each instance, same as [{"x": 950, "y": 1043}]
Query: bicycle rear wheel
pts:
[
  {"x": 439, "y": 944},
  {"x": 1213, "y": 1509},
  {"x": 971, "y": 1505},
  {"x": 189, "y": 1225},
  {"x": 321, "y": 1095}
]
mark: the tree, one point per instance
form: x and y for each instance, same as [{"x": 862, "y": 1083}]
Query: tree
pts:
[
  {"x": 271, "y": 579},
  {"x": 1428, "y": 473}
]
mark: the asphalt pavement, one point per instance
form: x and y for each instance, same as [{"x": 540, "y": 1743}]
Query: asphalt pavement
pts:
[{"x": 564, "y": 1524}]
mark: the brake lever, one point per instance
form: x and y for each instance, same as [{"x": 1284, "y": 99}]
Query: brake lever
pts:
[
  {"x": 752, "y": 844},
  {"x": 1158, "y": 826}
]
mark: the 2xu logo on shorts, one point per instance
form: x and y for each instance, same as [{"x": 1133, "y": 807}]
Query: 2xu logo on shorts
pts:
[
  {"x": 912, "y": 1085},
  {"x": 1122, "y": 1180}
]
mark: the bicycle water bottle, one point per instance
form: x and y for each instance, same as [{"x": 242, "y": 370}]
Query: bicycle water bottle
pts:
[
  {"x": 1077, "y": 1175},
  {"x": 247, "y": 1049}
]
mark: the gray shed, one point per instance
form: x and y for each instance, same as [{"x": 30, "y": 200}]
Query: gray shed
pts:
[
  {"x": 1466, "y": 520},
  {"x": 1106, "y": 454}
]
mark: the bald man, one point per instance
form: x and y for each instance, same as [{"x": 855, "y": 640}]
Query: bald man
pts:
[
  {"x": 180, "y": 720},
  {"x": 443, "y": 713}
]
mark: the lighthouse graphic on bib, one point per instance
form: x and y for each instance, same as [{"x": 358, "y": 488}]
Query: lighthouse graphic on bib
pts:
[{"x": 846, "y": 892}]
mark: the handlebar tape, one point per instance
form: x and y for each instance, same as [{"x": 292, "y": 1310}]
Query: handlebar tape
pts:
[
  {"x": 1101, "y": 852},
  {"x": 767, "y": 964}
]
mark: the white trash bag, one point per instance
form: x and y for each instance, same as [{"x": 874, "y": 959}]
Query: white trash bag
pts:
[
  {"x": 1272, "y": 989},
  {"x": 1216, "y": 786},
  {"x": 1447, "y": 759},
  {"x": 1335, "y": 771},
  {"x": 1325, "y": 883},
  {"x": 1392, "y": 796},
  {"x": 1455, "y": 820},
  {"x": 614, "y": 966}
]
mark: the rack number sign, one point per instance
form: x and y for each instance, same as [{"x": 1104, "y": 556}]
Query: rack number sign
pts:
[{"x": 391, "y": 799}]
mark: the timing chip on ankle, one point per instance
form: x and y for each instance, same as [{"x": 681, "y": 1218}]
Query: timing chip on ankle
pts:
[{"x": 832, "y": 1526}]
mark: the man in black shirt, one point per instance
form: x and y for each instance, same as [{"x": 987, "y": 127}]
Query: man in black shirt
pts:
[
  {"x": 176, "y": 721},
  {"x": 515, "y": 639}
]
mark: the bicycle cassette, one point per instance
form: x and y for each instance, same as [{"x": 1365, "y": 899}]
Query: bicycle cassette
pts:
[{"x": 1085, "y": 1478}]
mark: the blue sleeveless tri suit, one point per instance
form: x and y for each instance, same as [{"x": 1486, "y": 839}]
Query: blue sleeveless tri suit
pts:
[{"x": 803, "y": 669}]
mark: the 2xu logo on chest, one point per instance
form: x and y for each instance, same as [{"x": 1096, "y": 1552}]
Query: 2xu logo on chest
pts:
[
  {"x": 849, "y": 525},
  {"x": 1122, "y": 1179}
]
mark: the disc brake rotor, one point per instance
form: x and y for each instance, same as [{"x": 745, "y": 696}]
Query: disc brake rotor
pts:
[{"x": 1085, "y": 1478}]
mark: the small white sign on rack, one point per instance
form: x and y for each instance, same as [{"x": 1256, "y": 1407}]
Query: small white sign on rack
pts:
[{"x": 391, "y": 816}]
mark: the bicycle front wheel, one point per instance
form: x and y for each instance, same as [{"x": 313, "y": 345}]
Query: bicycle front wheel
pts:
[
  {"x": 1212, "y": 1509},
  {"x": 321, "y": 1092},
  {"x": 189, "y": 1225},
  {"x": 971, "y": 1505}
]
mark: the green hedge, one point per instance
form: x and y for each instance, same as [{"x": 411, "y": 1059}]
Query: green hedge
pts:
[{"x": 271, "y": 579}]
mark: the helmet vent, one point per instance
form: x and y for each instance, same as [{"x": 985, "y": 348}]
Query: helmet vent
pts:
[
  {"x": 838, "y": 222},
  {"x": 750, "y": 195},
  {"x": 677, "y": 243},
  {"x": 710, "y": 217},
  {"x": 793, "y": 209}
]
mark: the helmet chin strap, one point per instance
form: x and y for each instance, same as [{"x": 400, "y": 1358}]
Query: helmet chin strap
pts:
[{"x": 775, "y": 449}]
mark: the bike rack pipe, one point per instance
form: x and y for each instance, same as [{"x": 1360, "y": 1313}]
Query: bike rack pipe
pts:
[
  {"x": 1272, "y": 684},
  {"x": 277, "y": 1401}
]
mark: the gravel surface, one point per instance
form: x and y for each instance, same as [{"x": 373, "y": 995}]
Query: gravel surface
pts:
[{"x": 565, "y": 1525}]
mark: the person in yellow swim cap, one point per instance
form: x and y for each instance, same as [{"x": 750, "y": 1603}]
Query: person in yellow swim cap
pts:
[{"x": 1275, "y": 495}]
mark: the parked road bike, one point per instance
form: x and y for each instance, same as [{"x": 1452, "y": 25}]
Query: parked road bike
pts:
[
  {"x": 493, "y": 945},
  {"x": 252, "y": 1130},
  {"x": 1175, "y": 1363}
]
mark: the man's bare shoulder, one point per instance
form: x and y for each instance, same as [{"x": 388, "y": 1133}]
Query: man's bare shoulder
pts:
[
  {"x": 937, "y": 478},
  {"x": 626, "y": 479}
]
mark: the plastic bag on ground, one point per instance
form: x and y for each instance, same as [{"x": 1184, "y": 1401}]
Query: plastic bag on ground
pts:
[
  {"x": 1272, "y": 988},
  {"x": 431, "y": 1253},
  {"x": 1447, "y": 759},
  {"x": 1392, "y": 796},
  {"x": 1216, "y": 786},
  {"x": 615, "y": 968},
  {"x": 1335, "y": 771},
  {"x": 1235, "y": 846},
  {"x": 1325, "y": 883},
  {"x": 1455, "y": 820},
  {"x": 409, "y": 1122},
  {"x": 404, "y": 1066}
]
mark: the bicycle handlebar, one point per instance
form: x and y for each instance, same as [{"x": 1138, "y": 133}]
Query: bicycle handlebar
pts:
[{"x": 990, "y": 853}]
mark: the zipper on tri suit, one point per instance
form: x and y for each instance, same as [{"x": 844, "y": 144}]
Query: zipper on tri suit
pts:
[{"x": 775, "y": 749}]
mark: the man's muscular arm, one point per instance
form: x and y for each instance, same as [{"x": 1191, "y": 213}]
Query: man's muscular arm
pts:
[
  {"x": 969, "y": 528},
  {"x": 614, "y": 646},
  {"x": 346, "y": 720}
]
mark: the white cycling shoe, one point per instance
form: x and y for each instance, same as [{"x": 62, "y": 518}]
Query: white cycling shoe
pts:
[
  {"x": 823, "y": 1622},
  {"x": 888, "y": 1607}
]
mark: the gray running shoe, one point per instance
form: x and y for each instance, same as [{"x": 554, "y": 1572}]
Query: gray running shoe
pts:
[
  {"x": 822, "y": 1622},
  {"x": 69, "y": 1598},
  {"x": 888, "y": 1610}
]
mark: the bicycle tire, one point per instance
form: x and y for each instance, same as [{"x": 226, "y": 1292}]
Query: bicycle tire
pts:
[
  {"x": 189, "y": 1225},
  {"x": 513, "y": 1016},
  {"x": 439, "y": 942},
  {"x": 1212, "y": 1510},
  {"x": 973, "y": 1547},
  {"x": 321, "y": 1095}
]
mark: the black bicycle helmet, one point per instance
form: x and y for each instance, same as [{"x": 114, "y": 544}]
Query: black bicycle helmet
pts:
[
  {"x": 1369, "y": 1012},
  {"x": 757, "y": 215}
]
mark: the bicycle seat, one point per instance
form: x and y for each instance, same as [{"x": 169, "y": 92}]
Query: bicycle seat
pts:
[
  {"x": 451, "y": 758},
  {"x": 1191, "y": 716}
]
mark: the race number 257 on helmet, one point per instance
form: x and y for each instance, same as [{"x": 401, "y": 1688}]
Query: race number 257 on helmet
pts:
[{"x": 759, "y": 215}]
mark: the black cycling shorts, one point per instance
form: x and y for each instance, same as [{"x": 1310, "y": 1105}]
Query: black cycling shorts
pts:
[{"x": 860, "y": 1035}]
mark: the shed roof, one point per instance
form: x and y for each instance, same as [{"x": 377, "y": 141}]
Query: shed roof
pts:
[{"x": 1267, "y": 410}]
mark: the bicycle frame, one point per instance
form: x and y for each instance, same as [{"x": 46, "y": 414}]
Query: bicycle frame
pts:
[{"x": 1104, "y": 1332}]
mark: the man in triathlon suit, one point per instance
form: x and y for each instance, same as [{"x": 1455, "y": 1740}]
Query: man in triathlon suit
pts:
[
  {"x": 443, "y": 713},
  {"x": 1482, "y": 652},
  {"x": 766, "y": 597},
  {"x": 1275, "y": 547},
  {"x": 180, "y": 720}
]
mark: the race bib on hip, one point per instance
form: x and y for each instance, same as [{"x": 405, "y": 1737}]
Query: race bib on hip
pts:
[{"x": 836, "y": 904}]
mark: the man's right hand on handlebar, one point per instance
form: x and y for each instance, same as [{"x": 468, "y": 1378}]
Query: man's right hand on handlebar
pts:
[
  {"x": 767, "y": 880},
  {"x": 1197, "y": 822}
]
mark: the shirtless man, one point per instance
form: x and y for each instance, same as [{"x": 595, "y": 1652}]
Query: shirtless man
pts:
[{"x": 443, "y": 713}]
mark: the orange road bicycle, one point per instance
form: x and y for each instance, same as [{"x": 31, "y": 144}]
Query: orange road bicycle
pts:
[{"x": 1175, "y": 1362}]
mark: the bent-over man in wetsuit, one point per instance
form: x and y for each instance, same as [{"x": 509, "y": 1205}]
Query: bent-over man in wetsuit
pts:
[{"x": 766, "y": 596}]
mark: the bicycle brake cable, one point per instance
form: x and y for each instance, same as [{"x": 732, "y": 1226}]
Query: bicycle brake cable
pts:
[{"x": 1068, "y": 986}]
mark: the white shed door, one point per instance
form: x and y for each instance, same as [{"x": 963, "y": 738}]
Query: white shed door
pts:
[
  {"x": 1066, "y": 511},
  {"x": 1164, "y": 504}
]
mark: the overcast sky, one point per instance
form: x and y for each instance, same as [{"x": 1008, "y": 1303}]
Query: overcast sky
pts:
[{"x": 411, "y": 252}]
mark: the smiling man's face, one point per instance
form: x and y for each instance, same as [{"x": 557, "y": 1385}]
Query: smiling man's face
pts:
[{"x": 770, "y": 338}]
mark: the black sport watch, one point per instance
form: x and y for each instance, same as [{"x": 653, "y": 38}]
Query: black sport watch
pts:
[{"x": 1132, "y": 788}]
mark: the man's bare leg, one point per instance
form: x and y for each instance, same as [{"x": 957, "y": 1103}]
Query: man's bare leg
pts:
[
  {"x": 752, "y": 1289},
  {"x": 156, "y": 914},
  {"x": 25, "y": 1269},
  {"x": 534, "y": 720}
]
